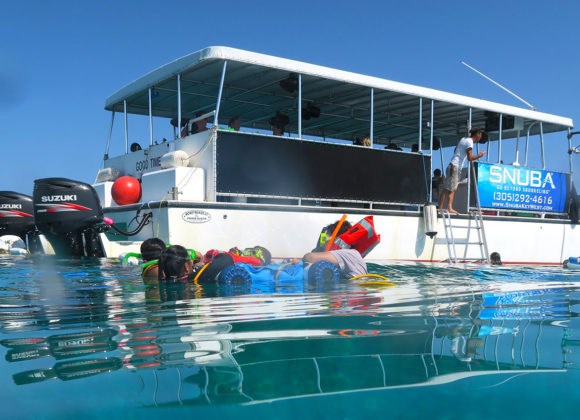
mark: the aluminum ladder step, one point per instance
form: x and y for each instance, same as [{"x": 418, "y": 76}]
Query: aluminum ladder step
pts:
[
  {"x": 464, "y": 227},
  {"x": 477, "y": 226}
]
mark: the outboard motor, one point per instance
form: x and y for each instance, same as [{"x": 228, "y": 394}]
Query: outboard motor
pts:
[
  {"x": 69, "y": 214},
  {"x": 16, "y": 214}
]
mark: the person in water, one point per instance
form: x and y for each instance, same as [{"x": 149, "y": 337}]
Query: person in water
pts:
[
  {"x": 463, "y": 151},
  {"x": 349, "y": 261},
  {"x": 151, "y": 250},
  {"x": 177, "y": 266}
]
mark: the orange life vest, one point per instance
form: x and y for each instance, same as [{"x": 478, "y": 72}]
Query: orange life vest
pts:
[
  {"x": 361, "y": 237},
  {"x": 209, "y": 255}
]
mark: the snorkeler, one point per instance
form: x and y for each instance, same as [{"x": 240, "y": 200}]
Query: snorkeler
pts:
[
  {"x": 177, "y": 266},
  {"x": 256, "y": 256},
  {"x": 151, "y": 250},
  {"x": 348, "y": 246}
]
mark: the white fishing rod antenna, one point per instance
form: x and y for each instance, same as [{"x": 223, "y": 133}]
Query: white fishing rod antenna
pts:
[{"x": 497, "y": 84}]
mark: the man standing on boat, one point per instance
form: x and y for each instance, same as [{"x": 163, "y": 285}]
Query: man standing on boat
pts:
[{"x": 462, "y": 150}]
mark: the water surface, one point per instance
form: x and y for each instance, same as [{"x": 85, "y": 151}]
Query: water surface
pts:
[{"x": 87, "y": 337}]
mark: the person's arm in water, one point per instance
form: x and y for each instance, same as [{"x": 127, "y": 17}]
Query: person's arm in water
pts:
[
  {"x": 313, "y": 257},
  {"x": 471, "y": 157}
]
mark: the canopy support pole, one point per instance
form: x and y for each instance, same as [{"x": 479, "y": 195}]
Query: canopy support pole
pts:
[
  {"x": 528, "y": 142},
  {"x": 111, "y": 135},
  {"x": 469, "y": 122},
  {"x": 372, "y": 133},
  {"x": 542, "y": 145},
  {"x": 499, "y": 139},
  {"x": 126, "y": 128},
  {"x": 570, "y": 149},
  {"x": 420, "y": 123},
  {"x": 430, "y": 160},
  {"x": 300, "y": 106},
  {"x": 150, "y": 120},
  {"x": 487, "y": 153},
  {"x": 219, "y": 98},
  {"x": 179, "y": 106},
  {"x": 517, "y": 162}
]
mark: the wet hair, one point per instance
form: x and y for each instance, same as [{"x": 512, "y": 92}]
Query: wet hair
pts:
[
  {"x": 329, "y": 229},
  {"x": 172, "y": 263},
  {"x": 345, "y": 226},
  {"x": 495, "y": 259},
  {"x": 152, "y": 248}
]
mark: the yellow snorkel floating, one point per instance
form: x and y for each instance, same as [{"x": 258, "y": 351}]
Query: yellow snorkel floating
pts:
[{"x": 385, "y": 283}]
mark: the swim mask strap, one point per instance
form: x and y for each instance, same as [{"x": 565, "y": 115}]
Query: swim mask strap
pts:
[{"x": 149, "y": 263}]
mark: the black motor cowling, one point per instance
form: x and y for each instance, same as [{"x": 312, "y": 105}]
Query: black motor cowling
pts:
[
  {"x": 16, "y": 214},
  {"x": 67, "y": 212}
]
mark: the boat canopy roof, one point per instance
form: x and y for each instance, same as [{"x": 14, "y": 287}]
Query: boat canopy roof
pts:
[{"x": 256, "y": 86}]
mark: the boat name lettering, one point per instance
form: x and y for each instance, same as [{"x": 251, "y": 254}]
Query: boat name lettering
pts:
[
  {"x": 66, "y": 197},
  {"x": 196, "y": 216},
  {"x": 11, "y": 206},
  {"x": 141, "y": 165},
  {"x": 520, "y": 176},
  {"x": 145, "y": 164}
]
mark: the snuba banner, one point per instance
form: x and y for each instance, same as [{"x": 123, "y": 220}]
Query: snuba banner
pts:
[{"x": 517, "y": 188}]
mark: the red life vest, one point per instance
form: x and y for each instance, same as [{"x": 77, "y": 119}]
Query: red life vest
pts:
[
  {"x": 209, "y": 255},
  {"x": 361, "y": 237}
]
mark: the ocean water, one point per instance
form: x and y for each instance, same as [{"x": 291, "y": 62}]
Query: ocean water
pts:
[{"x": 87, "y": 339}]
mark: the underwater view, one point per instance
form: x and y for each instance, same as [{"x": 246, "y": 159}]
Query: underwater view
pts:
[{"x": 88, "y": 337}]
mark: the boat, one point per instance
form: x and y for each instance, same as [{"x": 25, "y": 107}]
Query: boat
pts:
[{"x": 296, "y": 165}]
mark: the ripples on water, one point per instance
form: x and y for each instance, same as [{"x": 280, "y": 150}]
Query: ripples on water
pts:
[{"x": 87, "y": 336}]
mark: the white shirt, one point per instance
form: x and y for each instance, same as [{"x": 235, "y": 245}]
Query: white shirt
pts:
[
  {"x": 350, "y": 262},
  {"x": 460, "y": 153}
]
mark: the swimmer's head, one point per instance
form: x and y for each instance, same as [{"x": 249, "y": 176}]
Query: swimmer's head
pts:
[
  {"x": 152, "y": 248},
  {"x": 326, "y": 233},
  {"x": 174, "y": 263}
]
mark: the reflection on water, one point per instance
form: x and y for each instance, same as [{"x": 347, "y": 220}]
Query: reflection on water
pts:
[{"x": 71, "y": 320}]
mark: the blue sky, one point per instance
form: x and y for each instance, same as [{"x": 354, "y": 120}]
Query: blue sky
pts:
[{"x": 60, "y": 60}]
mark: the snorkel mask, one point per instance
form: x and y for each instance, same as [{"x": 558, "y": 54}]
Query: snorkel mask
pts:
[
  {"x": 323, "y": 239},
  {"x": 257, "y": 252}
]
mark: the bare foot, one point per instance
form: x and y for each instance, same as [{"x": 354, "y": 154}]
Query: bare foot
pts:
[{"x": 452, "y": 211}]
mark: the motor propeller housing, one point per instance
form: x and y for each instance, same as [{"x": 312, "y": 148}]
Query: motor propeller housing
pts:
[{"x": 68, "y": 213}]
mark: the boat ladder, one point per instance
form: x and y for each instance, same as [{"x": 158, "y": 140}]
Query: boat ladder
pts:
[{"x": 475, "y": 222}]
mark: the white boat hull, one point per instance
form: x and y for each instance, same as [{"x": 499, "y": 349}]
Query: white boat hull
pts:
[{"x": 291, "y": 231}]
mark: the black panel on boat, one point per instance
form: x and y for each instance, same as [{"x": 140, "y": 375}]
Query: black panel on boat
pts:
[{"x": 275, "y": 166}]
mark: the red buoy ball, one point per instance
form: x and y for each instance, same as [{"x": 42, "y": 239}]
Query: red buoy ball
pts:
[{"x": 126, "y": 190}]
